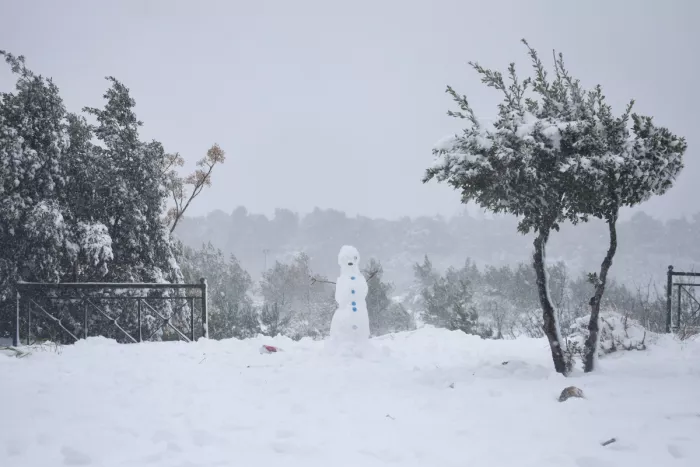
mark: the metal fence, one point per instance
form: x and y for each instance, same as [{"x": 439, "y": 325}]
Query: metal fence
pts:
[
  {"x": 46, "y": 302},
  {"x": 682, "y": 290}
]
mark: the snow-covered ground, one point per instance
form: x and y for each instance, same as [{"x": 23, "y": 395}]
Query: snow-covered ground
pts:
[{"x": 427, "y": 398}]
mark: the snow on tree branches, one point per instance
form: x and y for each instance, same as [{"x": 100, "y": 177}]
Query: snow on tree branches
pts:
[
  {"x": 76, "y": 210},
  {"x": 555, "y": 153}
]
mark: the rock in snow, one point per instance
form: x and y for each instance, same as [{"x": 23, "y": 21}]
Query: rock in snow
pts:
[{"x": 571, "y": 391}]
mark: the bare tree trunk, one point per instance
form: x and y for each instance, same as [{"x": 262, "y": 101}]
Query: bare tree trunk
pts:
[
  {"x": 550, "y": 327},
  {"x": 591, "y": 346}
]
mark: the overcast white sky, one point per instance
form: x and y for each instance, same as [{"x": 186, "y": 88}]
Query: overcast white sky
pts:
[{"x": 337, "y": 104}]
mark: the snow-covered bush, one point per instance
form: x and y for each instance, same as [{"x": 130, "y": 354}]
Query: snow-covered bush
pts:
[{"x": 617, "y": 332}]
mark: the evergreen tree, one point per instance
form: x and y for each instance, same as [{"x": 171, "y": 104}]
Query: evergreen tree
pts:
[
  {"x": 72, "y": 210},
  {"x": 273, "y": 322},
  {"x": 297, "y": 299},
  {"x": 33, "y": 231},
  {"x": 448, "y": 303},
  {"x": 554, "y": 155},
  {"x": 620, "y": 168},
  {"x": 424, "y": 273},
  {"x": 385, "y": 316},
  {"x": 33, "y": 139},
  {"x": 231, "y": 310},
  {"x": 133, "y": 206}
]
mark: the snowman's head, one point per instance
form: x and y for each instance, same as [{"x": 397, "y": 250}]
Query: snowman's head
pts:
[{"x": 349, "y": 258}]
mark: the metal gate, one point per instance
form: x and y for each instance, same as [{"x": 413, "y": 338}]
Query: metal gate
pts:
[
  {"x": 683, "y": 290},
  {"x": 47, "y": 301}
]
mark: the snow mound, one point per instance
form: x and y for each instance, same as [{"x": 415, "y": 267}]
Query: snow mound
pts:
[
  {"x": 617, "y": 332},
  {"x": 424, "y": 398}
]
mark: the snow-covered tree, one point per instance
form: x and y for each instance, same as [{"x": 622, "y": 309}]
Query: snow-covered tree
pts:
[
  {"x": 231, "y": 310},
  {"x": 424, "y": 273},
  {"x": 609, "y": 164},
  {"x": 448, "y": 303},
  {"x": 294, "y": 296},
  {"x": 133, "y": 204},
  {"x": 554, "y": 154},
  {"x": 33, "y": 139},
  {"x": 71, "y": 210},
  {"x": 385, "y": 316}
]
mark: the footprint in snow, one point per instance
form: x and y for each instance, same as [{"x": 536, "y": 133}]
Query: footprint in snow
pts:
[
  {"x": 74, "y": 457},
  {"x": 675, "y": 451},
  {"x": 284, "y": 434},
  {"x": 162, "y": 435}
]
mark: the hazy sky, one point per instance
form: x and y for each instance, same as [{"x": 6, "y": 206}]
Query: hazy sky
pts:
[{"x": 337, "y": 104}]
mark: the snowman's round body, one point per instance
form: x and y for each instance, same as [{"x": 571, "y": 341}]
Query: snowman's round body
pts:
[{"x": 350, "y": 323}]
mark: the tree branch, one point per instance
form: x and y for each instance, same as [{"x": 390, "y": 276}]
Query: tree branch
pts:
[{"x": 199, "y": 180}]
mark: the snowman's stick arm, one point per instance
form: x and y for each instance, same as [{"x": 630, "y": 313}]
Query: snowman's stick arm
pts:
[
  {"x": 318, "y": 280},
  {"x": 372, "y": 274}
]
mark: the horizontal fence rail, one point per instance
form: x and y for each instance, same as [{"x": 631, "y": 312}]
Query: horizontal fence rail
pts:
[{"x": 49, "y": 301}]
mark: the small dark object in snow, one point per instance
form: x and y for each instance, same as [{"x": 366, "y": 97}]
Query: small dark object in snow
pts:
[
  {"x": 571, "y": 391},
  {"x": 389, "y": 416},
  {"x": 505, "y": 363},
  {"x": 610, "y": 441},
  {"x": 452, "y": 385}
]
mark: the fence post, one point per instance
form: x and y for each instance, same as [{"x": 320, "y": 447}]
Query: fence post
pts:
[
  {"x": 15, "y": 338},
  {"x": 669, "y": 293},
  {"x": 138, "y": 303},
  {"x": 29, "y": 323},
  {"x": 191, "y": 319},
  {"x": 205, "y": 316},
  {"x": 85, "y": 320},
  {"x": 678, "y": 315}
]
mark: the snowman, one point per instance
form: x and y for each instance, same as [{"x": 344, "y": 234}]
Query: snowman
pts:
[{"x": 350, "y": 323}]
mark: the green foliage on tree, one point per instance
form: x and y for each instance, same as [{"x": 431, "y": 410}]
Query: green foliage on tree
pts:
[
  {"x": 80, "y": 201},
  {"x": 385, "y": 315},
  {"x": 231, "y": 310},
  {"x": 297, "y": 302},
  {"x": 555, "y": 154}
]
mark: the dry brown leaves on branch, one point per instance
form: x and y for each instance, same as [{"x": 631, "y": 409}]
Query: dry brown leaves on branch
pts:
[{"x": 201, "y": 177}]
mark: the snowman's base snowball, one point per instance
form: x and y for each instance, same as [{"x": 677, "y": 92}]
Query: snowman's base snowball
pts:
[{"x": 355, "y": 349}]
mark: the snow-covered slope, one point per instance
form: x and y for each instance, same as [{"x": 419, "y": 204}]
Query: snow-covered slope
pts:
[{"x": 427, "y": 398}]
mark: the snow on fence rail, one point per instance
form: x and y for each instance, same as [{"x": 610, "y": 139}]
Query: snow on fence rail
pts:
[{"x": 89, "y": 294}]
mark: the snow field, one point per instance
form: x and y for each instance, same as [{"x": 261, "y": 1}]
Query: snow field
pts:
[{"x": 425, "y": 398}]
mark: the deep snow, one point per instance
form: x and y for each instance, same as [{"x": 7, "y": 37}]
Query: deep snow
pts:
[{"x": 427, "y": 398}]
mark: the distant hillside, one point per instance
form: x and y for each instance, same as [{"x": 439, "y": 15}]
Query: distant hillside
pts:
[{"x": 646, "y": 245}]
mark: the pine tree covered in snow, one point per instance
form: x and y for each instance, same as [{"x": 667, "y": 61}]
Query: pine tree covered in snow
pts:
[
  {"x": 385, "y": 316},
  {"x": 231, "y": 310},
  {"x": 554, "y": 154},
  {"x": 41, "y": 238},
  {"x": 72, "y": 210},
  {"x": 133, "y": 205},
  {"x": 619, "y": 166},
  {"x": 297, "y": 303},
  {"x": 448, "y": 302},
  {"x": 32, "y": 141}
]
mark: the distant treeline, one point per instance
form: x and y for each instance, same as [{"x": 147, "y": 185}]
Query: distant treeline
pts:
[{"x": 646, "y": 247}]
